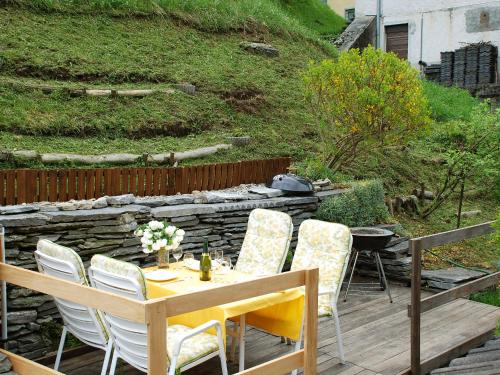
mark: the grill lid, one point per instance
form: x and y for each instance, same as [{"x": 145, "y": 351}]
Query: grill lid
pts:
[{"x": 291, "y": 183}]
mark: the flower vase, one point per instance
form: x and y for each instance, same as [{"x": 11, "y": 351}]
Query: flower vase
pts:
[{"x": 163, "y": 258}]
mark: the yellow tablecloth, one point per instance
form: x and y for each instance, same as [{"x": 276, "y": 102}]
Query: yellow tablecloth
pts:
[{"x": 277, "y": 313}]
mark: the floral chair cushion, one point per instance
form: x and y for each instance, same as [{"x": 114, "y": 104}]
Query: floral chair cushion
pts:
[
  {"x": 191, "y": 349},
  {"x": 266, "y": 242},
  {"x": 54, "y": 250},
  {"x": 326, "y": 246},
  {"x": 120, "y": 268}
]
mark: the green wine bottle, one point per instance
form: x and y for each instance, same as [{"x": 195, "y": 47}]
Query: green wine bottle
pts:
[{"x": 205, "y": 264}]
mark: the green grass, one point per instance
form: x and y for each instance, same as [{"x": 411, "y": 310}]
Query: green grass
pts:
[
  {"x": 449, "y": 103},
  {"x": 315, "y": 15},
  {"x": 480, "y": 252},
  {"x": 236, "y": 91},
  {"x": 251, "y": 16},
  {"x": 490, "y": 297}
]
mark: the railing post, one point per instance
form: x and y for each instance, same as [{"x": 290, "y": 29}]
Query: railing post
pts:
[
  {"x": 415, "y": 306},
  {"x": 156, "y": 320},
  {"x": 311, "y": 321}
]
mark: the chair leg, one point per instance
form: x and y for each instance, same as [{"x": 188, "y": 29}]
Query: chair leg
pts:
[
  {"x": 241, "y": 358},
  {"x": 298, "y": 343},
  {"x": 222, "y": 352},
  {"x": 112, "y": 369},
  {"x": 61, "y": 348},
  {"x": 232, "y": 350},
  {"x": 339, "y": 334},
  {"x": 105, "y": 364},
  {"x": 173, "y": 365}
]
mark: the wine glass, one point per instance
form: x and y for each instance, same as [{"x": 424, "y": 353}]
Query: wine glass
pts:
[
  {"x": 188, "y": 258},
  {"x": 177, "y": 253},
  {"x": 214, "y": 258},
  {"x": 225, "y": 264}
]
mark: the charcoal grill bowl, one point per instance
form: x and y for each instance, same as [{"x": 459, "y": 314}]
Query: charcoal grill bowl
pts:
[
  {"x": 370, "y": 238},
  {"x": 291, "y": 184}
]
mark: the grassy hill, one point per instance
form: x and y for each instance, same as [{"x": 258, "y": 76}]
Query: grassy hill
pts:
[{"x": 53, "y": 43}]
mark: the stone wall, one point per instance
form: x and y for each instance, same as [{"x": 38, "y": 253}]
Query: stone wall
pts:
[{"x": 106, "y": 225}]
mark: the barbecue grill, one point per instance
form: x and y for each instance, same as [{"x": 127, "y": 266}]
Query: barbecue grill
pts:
[
  {"x": 291, "y": 183},
  {"x": 370, "y": 240}
]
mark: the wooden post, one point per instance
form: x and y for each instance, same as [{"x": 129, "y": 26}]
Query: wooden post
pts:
[
  {"x": 311, "y": 321},
  {"x": 156, "y": 320},
  {"x": 415, "y": 306}
]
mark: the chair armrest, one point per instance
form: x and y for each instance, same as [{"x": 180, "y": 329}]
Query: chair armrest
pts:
[{"x": 196, "y": 331}]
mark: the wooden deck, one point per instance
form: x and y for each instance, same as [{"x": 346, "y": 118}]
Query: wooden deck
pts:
[{"x": 376, "y": 337}]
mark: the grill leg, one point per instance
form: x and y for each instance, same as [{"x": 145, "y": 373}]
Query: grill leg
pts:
[
  {"x": 386, "y": 284},
  {"x": 380, "y": 279},
  {"x": 352, "y": 273}
]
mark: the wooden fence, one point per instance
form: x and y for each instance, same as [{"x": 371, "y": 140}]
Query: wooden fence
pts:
[
  {"x": 35, "y": 185},
  {"x": 418, "y": 306}
]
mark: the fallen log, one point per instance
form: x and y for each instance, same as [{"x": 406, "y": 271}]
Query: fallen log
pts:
[{"x": 125, "y": 158}]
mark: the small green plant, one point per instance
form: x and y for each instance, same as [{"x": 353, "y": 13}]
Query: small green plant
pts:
[
  {"x": 470, "y": 150},
  {"x": 490, "y": 297},
  {"x": 364, "y": 100},
  {"x": 314, "y": 169},
  {"x": 449, "y": 103},
  {"x": 363, "y": 205}
]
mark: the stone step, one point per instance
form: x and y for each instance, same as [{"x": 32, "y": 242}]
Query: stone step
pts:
[
  {"x": 482, "y": 350},
  {"x": 478, "y": 358},
  {"x": 484, "y": 368},
  {"x": 493, "y": 344}
]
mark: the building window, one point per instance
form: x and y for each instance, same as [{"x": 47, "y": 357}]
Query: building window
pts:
[{"x": 349, "y": 15}]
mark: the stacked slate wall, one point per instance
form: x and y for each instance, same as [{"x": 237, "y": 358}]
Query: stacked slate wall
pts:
[{"x": 106, "y": 226}]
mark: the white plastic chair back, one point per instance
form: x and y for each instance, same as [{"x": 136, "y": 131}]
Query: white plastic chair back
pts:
[
  {"x": 127, "y": 280},
  {"x": 82, "y": 321},
  {"x": 266, "y": 242},
  {"x": 328, "y": 247}
]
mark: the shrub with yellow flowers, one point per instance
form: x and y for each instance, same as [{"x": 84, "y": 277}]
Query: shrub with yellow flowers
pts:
[{"x": 364, "y": 100}]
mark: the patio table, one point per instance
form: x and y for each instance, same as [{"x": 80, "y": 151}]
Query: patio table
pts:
[{"x": 277, "y": 313}]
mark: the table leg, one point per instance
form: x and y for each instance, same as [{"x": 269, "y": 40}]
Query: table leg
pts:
[{"x": 242, "y": 343}]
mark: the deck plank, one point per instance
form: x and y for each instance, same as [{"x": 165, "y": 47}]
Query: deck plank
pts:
[{"x": 376, "y": 337}]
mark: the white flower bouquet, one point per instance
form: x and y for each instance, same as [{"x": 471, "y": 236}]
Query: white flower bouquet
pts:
[{"x": 157, "y": 235}]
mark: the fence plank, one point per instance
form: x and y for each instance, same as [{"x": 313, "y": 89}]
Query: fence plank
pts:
[
  {"x": 124, "y": 180},
  {"x": 117, "y": 188},
  {"x": 81, "y": 183},
  {"x": 10, "y": 188},
  {"x": 2, "y": 188},
  {"x": 141, "y": 177},
  {"x": 223, "y": 176},
  {"x": 156, "y": 181},
  {"x": 99, "y": 181},
  {"x": 71, "y": 184},
  {"x": 206, "y": 176},
  {"x": 108, "y": 181},
  {"x": 149, "y": 182},
  {"x": 163, "y": 181},
  {"x": 230, "y": 170},
  {"x": 184, "y": 180},
  {"x": 53, "y": 186},
  {"x": 32, "y": 185},
  {"x": 90, "y": 183},
  {"x": 133, "y": 181},
  {"x": 171, "y": 181},
  {"x": 199, "y": 177},
  {"x": 211, "y": 177},
  {"x": 62, "y": 193},
  {"x": 43, "y": 192},
  {"x": 237, "y": 174}
]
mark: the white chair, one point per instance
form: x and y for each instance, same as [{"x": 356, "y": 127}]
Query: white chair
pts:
[
  {"x": 263, "y": 252},
  {"x": 328, "y": 247},
  {"x": 82, "y": 321},
  {"x": 186, "y": 347}
]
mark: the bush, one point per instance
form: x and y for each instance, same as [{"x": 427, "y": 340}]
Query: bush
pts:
[
  {"x": 449, "y": 103},
  {"x": 363, "y": 205},
  {"x": 314, "y": 169},
  {"x": 364, "y": 100}
]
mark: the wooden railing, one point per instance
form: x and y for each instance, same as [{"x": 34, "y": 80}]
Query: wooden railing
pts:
[
  {"x": 419, "y": 306},
  {"x": 36, "y": 185},
  {"x": 154, "y": 313}
]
